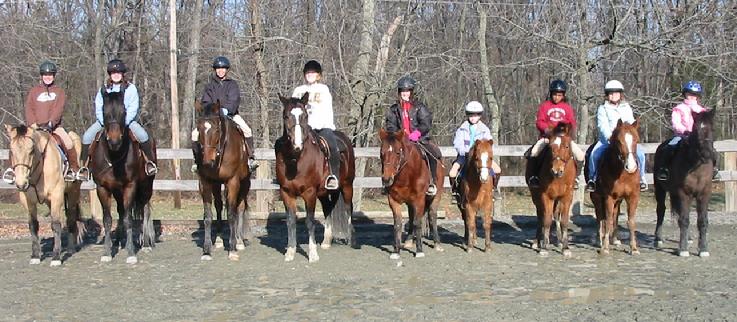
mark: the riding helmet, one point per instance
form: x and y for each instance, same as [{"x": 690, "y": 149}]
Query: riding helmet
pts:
[
  {"x": 47, "y": 68},
  {"x": 613, "y": 86},
  {"x": 692, "y": 87},
  {"x": 221, "y": 62},
  {"x": 558, "y": 86},
  {"x": 116, "y": 66},
  {"x": 474, "y": 107},
  {"x": 312, "y": 66},
  {"x": 406, "y": 83}
]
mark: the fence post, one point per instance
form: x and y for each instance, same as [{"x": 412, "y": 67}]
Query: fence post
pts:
[
  {"x": 263, "y": 197},
  {"x": 730, "y": 187}
]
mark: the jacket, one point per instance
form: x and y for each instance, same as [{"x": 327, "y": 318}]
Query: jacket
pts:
[
  {"x": 549, "y": 115},
  {"x": 682, "y": 119},
  {"x": 131, "y": 101},
  {"x": 420, "y": 119},
  {"x": 462, "y": 140},
  {"x": 45, "y": 105},
  {"x": 319, "y": 106},
  {"x": 226, "y": 91},
  {"x": 607, "y": 117}
]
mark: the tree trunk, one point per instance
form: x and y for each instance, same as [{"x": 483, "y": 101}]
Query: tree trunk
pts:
[
  {"x": 488, "y": 89},
  {"x": 174, "y": 95},
  {"x": 190, "y": 84},
  {"x": 263, "y": 198}
]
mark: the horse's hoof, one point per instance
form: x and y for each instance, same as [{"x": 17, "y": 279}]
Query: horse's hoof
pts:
[
  {"x": 409, "y": 244},
  {"x": 218, "y": 242},
  {"x": 325, "y": 246},
  {"x": 543, "y": 253},
  {"x": 604, "y": 251},
  {"x": 635, "y": 252},
  {"x": 703, "y": 254},
  {"x": 534, "y": 246},
  {"x": 394, "y": 256},
  {"x": 567, "y": 253},
  {"x": 205, "y": 258},
  {"x": 487, "y": 250},
  {"x": 313, "y": 257},
  {"x": 106, "y": 259},
  {"x": 131, "y": 260},
  {"x": 684, "y": 253},
  {"x": 439, "y": 249},
  {"x": 617, "y": 242},
  {"x": 690, "y": 241},
  {"x": 420, "y": 255},
  {"x": 289, "y": 255},
  {"x": 55, "y": 263},
  {"x": 240, "y": 246},
  {"x": 659, "y": 244},
  {"x": 146, "y": 249},
  {"x": 469, "y": 250},
  {"x": 35, "y": 261},
  {"x": 233, "y": 256}
]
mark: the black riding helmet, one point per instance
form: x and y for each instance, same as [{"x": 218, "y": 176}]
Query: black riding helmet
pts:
[
  {"x": 46, "y": 68},
  {"x": 312, "y": 66},
  {"x": 406, "y": 83},
  {"x": 558, "y": 86},
  {"x": 116, "y": 66},
  {"x": 221, "y": 62}
]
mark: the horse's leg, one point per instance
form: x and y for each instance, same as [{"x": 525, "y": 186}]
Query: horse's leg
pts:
[
  {"x": 32, "y": 228},
  {"x": 206, "y": 193},
  {"x": 310, "y": 203},
  {"x": 609, "y": 208},
  {"x": 347, "y": 195},
  {"x": 433, "y": 212},
  {"x": 328, "y": 206},
  {"x": 409, "y": 243},
  {"x": 233, "y": 187},
  {"x": 397, "y": 214},
  {"x": 290, "y": 205},
  {"x": 684, "y": 205},
  {"x": 615, "y": 229},
  {"x": 217, "y": 196},
  {"x": 130, "y": 244},
  {"x": 702, "y": 209},
  {"x": 107, "y": 222},
  {"x": 631, "y": 212},
  {"x": 488, "y": 217},
  {"x": 56, "y": 206},
  {"x": 120, "y": 228},
  {"x": 564, "y": 210},
  {"x": 470, "y": 219},
  {"x": 660, "y": 193},
  {"x": 245, "y": 227},
  {"x": 540, "y": 211},
  {"x": 546, "y": 224},
  {"x": 419, "y": 209}
]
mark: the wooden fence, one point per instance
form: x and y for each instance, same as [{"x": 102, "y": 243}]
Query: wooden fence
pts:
[{"x": 261, "y": 183}]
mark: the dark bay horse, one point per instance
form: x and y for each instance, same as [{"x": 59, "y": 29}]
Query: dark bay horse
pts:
[
  {"x": 222, "y": 159},
  {"x": 38, "y": 168},
  {"x": 690, "y": 179},
  {"x": 117, "y": 165},
  {"x": 554, "y": 196},
  {"x": 405, "y": 176},
  {"x": 477, "y": 192},
  {"x": 301, "y": 168},
  {"x": 619, "y": 180}
]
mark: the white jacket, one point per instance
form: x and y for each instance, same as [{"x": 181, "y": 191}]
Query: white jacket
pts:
[{"x": 320, "y": 105}]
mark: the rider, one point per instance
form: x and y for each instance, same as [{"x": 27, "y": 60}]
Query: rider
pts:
[
  {"x": 471, "y": 130},
  {"x": 225, "y": 90},
  {"x": 682, "y": 121},
  {"x": 549, "y": 114},
  {"x": 614, "y": 109},
  {"x": 415, "y": 119},
  {"x": 45, "y": 107},
  {"x": 320, "y": 116},
  {"x": 117, "y": 82}
]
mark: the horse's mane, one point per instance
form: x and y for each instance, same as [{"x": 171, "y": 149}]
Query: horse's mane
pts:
[
  {"x": 211, "y": 109},
  {"x": 21, "y": 129}
]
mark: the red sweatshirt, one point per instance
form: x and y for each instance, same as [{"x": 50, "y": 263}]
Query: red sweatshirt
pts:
[{"x": 549, "y": 115}]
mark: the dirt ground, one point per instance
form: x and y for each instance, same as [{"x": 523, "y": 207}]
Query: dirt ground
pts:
[{"x": 511, "y": 282}]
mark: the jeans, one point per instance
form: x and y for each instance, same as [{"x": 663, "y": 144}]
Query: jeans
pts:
[
  {"x": 599, "y": 149},
  {"x": 138, "y": 131}
]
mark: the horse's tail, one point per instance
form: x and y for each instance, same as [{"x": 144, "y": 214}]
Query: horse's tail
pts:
[
  {"x": 142, "y": 211},
  {"x": 340, "y": 219}
]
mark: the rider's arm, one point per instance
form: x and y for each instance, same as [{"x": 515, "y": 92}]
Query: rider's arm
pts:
[
  {"x": 424, "y": 120},
  {"x": 98, "y": 107},
  {"x": 390, "y": 120},
  {"x": 57, "y": 110},
  {"x": 459, "y": 142},
  {"x": 602, "y": 122},
  {"x": 132, "y": 102},
  {"x": 232, "y": 98},
  {"x": 30, "y": 108}
]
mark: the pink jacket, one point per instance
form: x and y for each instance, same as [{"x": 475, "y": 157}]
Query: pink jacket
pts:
[{"x": 681, "y": 117}]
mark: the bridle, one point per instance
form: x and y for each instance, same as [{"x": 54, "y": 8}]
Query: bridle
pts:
[
  {"x": 400, "y": 164},
  {"x": 223, "y": 137},
  {"x": 36, "y": 160}
]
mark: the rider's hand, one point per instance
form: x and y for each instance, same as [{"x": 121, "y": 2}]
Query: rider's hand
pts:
[{"x": 415, "y": 136}]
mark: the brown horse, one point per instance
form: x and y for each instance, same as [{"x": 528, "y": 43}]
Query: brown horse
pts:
[
  {"x": 301, "y": 168},
  {"x": 691, "y": 171},
  {"x": 222, "y": 159},
  {"x": 117, "y": 165},
  {"x": 405, "y": 176},
  {"x": 554, "y": 196},
  {"x": 477, "y": 192},
  {"x": 38, "y": 168},
  {"x": 619, "y": 180}
]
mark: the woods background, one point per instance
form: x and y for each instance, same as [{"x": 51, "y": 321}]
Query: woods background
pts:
[{"x": 502, "y": 53}]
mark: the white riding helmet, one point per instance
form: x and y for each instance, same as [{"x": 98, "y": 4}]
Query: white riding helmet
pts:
[
  {"x": 474, "y": 107},
  {"x": 613, "y": 86}
]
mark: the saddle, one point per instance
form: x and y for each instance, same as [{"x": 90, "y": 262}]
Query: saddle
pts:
[{"x": 99, "y": 135}]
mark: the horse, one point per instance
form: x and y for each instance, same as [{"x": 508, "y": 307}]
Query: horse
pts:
[
  {"x": 38, "y": 168},
  {"x": 690, "y": 179},
  {"x": 477, "y": 192},
  {"x": 222, "y": 160},
  {"x": 117, "y": 166},
  {"x": 405, "y": 178},
  {"x": 554, "y": 196},
  {"x": 619, "y": 180},
  {"x": 301, "y": 167}
]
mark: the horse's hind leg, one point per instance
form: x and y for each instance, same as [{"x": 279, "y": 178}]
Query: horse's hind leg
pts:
[
  {"x": 217, "y": 197},
  {"x": 433, "y": 213},
  {"x": 660, "y": 193},
  {"x": 419, "y": 208},
  {"x": 683, "y": 204},
  {"x": 32, "y": 228},
  {"x": 310, "y": 202},
  {"x": 130, "y": 244},
  {"x": 702, "y": 205},
  {"x": 631, "y": 224},
  {"x": 328, "y": 207}
]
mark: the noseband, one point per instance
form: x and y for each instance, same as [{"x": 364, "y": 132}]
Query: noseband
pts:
[{"x": 402, "y": 162}]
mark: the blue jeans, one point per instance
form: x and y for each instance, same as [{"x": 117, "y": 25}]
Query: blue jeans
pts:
[
  {"x": 138, "y": 131},
  {"x": 599, "y": 149}
]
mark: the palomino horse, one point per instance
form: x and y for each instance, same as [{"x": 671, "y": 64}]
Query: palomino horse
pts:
[
  {"x": 405, "y": 176},
  {"x": 117, "y": 165},
  {"x": 554, "y": 196},
  {"x": 223, "y": 160},
  {"x": 690, "y": 178},
  {"x": 39, "y": 177},
  {"x": 619, "y": 180},
  {"x": 477, "y": 192},
  {"x": 301, "y": 168}
]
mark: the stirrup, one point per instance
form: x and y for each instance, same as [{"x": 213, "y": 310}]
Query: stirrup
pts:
[
  {"x": 715, "y": 175},
  {"x": 431, "y": 190},
  {"x": 151, "y": 168},
  {"x": 252, "y": 164},
  {"x": 663, "y": 175},
  {"x": 643, "y": 186},
  {"x": 576, "y": 184},
  {"x": 70, "y": 176},
  {"x": 591, "y": 186},
  {"x": 331, "y": 179},
  {"x": 534, "y": 182},
  {"x": 9, "y": 176},
  {"x": 83, "y": 174}
]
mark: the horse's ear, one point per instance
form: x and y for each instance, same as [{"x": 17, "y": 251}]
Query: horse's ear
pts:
[
  {"x": 491, "y": 141},
  {"x": 636, "y": 123},
  {"x": 400, "y": 135},
  {"x": 283, "y": 99},
  {"x": 305, "y": 98},
  {"x": 619, "y": 123},
  {"x": 197, "y": 106},
  {"x": 383, "y": 134},
  {"x": 10, "y": 130}
]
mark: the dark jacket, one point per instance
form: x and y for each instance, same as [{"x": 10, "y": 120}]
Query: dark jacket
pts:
[
  {"x": 420, "y": 118},
  {"x": 226, "y": 91}
]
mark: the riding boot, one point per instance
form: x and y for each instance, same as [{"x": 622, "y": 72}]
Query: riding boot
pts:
[
  {"x": 83, "y": 174},
  {"x": 432, "y": 189},
  {"x": 332, "y": 182},
  {"x": 252, "y": 163},
  {"x": 148, "y": 152},
  {"x": 663, "y": 173},
  {"x": 453, "y": 186},
  {"x": 531, "y": 171},
  {"x": 71, "y": 174}
]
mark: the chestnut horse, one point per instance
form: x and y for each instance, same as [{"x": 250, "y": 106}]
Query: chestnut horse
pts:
[
  {"x": 619, "y": 180},
  {"x": 477, "y": 192},
  {"x": 690, "y": 179},
  {"x": 554, "y": 196},
  {"x": 38, "y": 168},
  {"x": 117, "y": 165},
  {"x": 222, "y": 159},
  {"x": 405, "y": 176},
  {"x": 301, "y": 168}
]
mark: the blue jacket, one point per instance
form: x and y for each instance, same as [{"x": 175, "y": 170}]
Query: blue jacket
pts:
[
  {"x": 462, "y": 140},
  {"x": 131, "y": 100},
  {"x": 607, "y": 117}
]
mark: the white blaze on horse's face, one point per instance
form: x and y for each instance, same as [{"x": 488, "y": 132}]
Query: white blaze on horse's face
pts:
[
  {"x": 484, "y": 167},
  {"x": 208, "y": 126},
  {"x": 297, "y": 128},
  {"x": 631, "y": 164}
]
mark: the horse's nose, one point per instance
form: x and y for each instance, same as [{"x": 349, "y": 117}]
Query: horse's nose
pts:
[
  {"x": 23, "y": 187},
  {"x": 387, "y": 182}
]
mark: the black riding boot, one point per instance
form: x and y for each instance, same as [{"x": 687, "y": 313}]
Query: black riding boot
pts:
[
  {"x": 531, "y": 171},
  {"x": 151, "y": 168},
  {"x": 432, "y": 189},
  {"x": 663, "y": 173},
  {"x": 84, "y": 173},
  {"x": 252, "y": 164}
]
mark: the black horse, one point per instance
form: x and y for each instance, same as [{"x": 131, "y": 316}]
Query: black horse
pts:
[
  {"x": 117, "y": 165},
  {"x": 690, "y": 179}
]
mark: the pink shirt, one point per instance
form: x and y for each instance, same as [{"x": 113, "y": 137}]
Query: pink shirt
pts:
[{"x": 682, "y": 119}]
